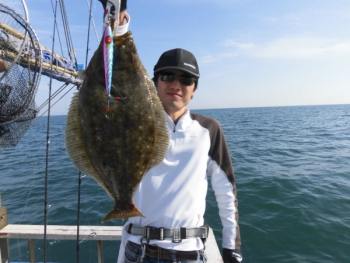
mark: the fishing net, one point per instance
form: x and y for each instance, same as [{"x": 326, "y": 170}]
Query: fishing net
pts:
[{"x": 20, "y": 70}]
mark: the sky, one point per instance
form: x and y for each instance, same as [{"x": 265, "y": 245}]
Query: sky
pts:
[{"x": 251, "y": 53}]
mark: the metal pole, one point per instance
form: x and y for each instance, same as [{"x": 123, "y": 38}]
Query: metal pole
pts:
[
  {"x": 25, "y": 10},
  {"x": 78, "y": 218}
]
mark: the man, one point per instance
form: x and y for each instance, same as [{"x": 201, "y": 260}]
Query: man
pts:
[{"x": 172, "y": 195}]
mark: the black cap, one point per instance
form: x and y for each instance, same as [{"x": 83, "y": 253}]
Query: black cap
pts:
[{"x": 177, "y": 59}]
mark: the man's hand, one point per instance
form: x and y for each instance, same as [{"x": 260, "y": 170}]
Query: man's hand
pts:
[
  {"x": 122, "y": 10},
  {"x": 231, "y": 255}
]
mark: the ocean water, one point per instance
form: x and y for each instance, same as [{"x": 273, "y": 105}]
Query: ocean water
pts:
[{"x": 292, "y": 167}]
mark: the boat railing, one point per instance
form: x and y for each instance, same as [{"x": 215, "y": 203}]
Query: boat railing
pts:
[{"x": 65, "y": 232}]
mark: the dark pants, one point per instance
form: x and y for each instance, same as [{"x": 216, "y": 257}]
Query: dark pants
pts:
[{"x": 133, "y": 253}]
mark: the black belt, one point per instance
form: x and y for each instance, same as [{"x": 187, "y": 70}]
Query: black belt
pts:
[
  {"x": 162, "y": 253},
  {"x": 177, "y": 233}
]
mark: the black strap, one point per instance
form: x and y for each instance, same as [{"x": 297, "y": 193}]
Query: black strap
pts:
[
  {"x": 129, "y": 229},
  {"x": 177, "y": 234}
]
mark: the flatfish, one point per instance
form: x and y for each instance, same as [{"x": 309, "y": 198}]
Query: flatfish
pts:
[{"x": 119, "y": 144}]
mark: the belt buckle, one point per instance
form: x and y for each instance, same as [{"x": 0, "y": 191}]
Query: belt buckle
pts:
[
  {"x": 178, "y": 234},
  {"x": 154, "y": 233},
  {"x": 147, "y": 232}
]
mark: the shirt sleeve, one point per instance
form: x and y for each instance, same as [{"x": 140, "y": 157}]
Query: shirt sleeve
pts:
[{"x": 223, "y": 182}]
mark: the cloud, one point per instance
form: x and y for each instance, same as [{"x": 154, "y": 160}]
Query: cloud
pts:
[
  {"x": 302, "y": 47},
  {"x": 289, "y": 48},
  {"x": 211, "y": 59},
  {"x": 241, "y": 46},
  {"x": 208, "y": 59},
  {"x": 225, "y": 3},
  {"x": 287, "y": 19}
]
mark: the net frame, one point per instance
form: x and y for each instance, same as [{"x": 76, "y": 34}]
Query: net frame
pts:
[{"x": 20, "y": 51}]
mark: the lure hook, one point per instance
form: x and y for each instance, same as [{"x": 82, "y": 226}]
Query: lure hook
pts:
[{"x": 106, "y": 113}]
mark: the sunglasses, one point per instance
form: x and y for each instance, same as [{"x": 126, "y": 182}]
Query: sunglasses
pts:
[{"x": 183, "y": 79}]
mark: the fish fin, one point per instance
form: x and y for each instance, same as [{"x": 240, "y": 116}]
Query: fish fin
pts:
[
  {"x": 73, "y": 140},
  {"x": 122, "y": 214},
  {"x": 162, "y": 137},
  {"x": 74, "y": 143},
  {"x": 82, "y": 74}
]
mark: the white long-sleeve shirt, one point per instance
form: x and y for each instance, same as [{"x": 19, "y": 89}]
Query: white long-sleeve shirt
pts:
[{"x": 173, "y": 194}]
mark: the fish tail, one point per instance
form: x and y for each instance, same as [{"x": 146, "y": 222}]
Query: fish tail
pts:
[{"x": 122, "y": 214}]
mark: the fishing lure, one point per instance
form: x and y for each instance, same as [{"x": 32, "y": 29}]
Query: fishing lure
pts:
[
  {"x": 108, "y": 44},
  {"x": 108, "y": 60}
]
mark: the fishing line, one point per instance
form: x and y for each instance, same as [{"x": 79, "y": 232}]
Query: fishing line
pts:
[
  {"x": 55, "y": 103},
  {"x": 19, "y": 250},
  {"x": 69, "y": 42},
  {"x": 79, "y": 174},
  {"x": 53, "y": 96},
  {"x": 67, "y": 33},
  {"x": 92, "y": 19},
  {"x": 58, "y": 33},
  {"x": 88, "y": 36},
  {"x": 48, "y": 141},
  {"x": 91, "y": 236},
  {"x": 31, "y": 188}
]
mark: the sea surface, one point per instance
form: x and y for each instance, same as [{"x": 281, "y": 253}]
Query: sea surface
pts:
[{"x": 292, "y": 167}]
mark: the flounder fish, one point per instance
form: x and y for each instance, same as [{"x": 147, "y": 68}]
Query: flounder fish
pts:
[{"x": 117, "y": 145}]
